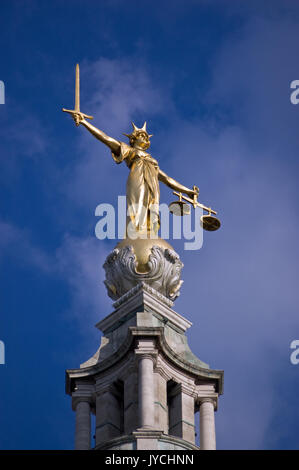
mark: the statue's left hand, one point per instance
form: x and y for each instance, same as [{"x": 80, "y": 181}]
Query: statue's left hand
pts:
[{"x": 194, "y": 191}]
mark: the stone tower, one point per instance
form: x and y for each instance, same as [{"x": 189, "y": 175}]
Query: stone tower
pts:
[{"x": 144, "y": 384}]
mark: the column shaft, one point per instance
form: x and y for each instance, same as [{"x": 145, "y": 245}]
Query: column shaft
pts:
[
  {"x": 207, "y": 426},
  {"x": 146, "y": 392},
  {"x": 83, "y": 431}
]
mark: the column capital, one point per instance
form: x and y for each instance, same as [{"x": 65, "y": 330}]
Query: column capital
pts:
[
  {"x": 146, "y": 349},
  {"x": 80, "y": 399},
  {"x": 146, "y": 355},
  {"x": 213, "y": 400},
  {"x": 145, "y": 345},
  {"x": 83, "y": 393}
]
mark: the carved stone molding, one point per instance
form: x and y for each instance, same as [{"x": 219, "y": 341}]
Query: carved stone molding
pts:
[
  {"x": 145, "y": 287},
  {"x": 164, "y": 272}
]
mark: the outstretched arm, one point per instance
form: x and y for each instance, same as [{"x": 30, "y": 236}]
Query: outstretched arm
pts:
[
  {"x": 173, "y": 184},
  {"x": 113, "y": 144}
]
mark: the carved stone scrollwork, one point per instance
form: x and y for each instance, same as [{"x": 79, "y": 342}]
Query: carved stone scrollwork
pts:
[{"x": 163, "y": 274}]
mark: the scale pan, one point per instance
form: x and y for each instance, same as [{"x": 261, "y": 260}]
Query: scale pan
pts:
[
  {"x": 179, "y": 208},
  {"x": 210, "y": 223}
]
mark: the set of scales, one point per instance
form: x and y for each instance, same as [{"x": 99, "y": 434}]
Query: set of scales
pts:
[{"x": 180, "y": 207}]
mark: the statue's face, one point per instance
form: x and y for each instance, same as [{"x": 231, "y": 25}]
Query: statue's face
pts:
[{"x": 141, "y": 141}]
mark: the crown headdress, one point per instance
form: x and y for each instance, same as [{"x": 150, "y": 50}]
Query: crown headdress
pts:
[{"x": 137, "y": 130}]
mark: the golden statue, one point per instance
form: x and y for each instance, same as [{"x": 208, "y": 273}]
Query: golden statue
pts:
[{"x": 142, "y": 192}]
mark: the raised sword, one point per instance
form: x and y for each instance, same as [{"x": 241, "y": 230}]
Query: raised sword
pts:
[{"x": 77, "y": 98}]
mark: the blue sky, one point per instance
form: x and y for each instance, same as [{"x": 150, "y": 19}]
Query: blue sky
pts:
[{"x": 212, "y": 79}]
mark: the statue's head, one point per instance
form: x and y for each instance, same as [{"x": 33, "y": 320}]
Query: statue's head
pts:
[{"x": 139, "y": 138}]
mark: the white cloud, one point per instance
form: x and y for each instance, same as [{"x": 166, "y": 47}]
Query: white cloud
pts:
[{"x": 79, "y": 261}]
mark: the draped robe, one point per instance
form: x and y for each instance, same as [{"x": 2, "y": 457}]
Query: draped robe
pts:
[{"x": 143, "y": 193}]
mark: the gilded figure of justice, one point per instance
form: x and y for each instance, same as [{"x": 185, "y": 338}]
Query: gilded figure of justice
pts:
[{"x": 142, "y": 191}]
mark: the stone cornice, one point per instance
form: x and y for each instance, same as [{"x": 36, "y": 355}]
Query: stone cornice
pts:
[
  {"x": 142, "y": 298},
  {"x": 142, "y": 286},
  {"x": 183, "y": 388},
  {"x": 99, "y": 368},
  {"x": 213, "y": 376}
]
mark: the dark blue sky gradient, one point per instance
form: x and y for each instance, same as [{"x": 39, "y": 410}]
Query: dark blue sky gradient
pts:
[{"x": 212, "y": 78}]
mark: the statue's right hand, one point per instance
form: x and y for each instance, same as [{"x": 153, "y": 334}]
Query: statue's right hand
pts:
[{"x": 78, "y": 118}]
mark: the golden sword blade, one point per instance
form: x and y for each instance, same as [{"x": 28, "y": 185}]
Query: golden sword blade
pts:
[
  {"x": 77, "y": 89},
  {"x": 77, "y": 98}
]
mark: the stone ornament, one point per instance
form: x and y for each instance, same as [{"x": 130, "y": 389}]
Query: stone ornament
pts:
[{"x": 164, "y": 272}]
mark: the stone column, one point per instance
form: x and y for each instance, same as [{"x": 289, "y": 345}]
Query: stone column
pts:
[
  {"x": 146, "y": 391},
  {"x": 83, "y": 427},
  {"x": 207, "y": 424}
]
